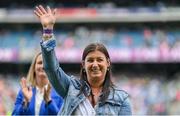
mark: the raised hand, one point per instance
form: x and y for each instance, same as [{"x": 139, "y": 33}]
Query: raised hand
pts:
[
  {"x": 46, "y": 16},
  {"x": 47, "y": 93},
  {"x": 27, "y": 91}
]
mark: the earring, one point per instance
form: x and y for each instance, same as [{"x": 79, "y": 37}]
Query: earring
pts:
[
  {"x": 84, "y": 70},
  {"x": 108, "y": 68}
]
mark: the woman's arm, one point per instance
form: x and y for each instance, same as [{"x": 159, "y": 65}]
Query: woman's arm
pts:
[
  {"x": 53, "y": 106},
  {"x": 58, "y": 78},
  {"x": 19, "y": 108},
  {"x": 126, "y": 107}
]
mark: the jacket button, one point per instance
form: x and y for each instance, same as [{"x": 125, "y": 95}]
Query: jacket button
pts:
[
  {"x": 80, "y": 97},
  {"x": 72, "y": 106}
]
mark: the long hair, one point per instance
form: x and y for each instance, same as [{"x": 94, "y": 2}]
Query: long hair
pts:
[
  {"x": 31, "y": 73},
  {"x": 83, "y": 76}
]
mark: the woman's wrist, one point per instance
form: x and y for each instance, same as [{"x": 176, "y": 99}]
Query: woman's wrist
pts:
[
  {"x": 47, "y": 36},
  {"x": 48, "y": 100},
  {"x": 25, "y": 102},
  {"x": 48, "y": 27},
  {"x": 48, "y": 103},
  {"x": 26, "y": 99},
  {"x": 47, "y": 33}
]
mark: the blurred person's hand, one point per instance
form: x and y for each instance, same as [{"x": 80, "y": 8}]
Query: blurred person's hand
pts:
[
  {"x": 2, "y": 86},
  {"x": 2, "y": 109},
  {"x": 46, "y": 16},
  {"x": 27, "y": 91},
  {"x": 47, "y": 95}
]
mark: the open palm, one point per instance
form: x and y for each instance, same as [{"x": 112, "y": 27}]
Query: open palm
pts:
[
  {"x": 46, "y": 16},
  {"x": 27, "y": 91}
]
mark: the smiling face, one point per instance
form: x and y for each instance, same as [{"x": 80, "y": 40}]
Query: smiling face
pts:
[
  {"x": 41, "y": 77},
  {"x": 96, "y": 65}
]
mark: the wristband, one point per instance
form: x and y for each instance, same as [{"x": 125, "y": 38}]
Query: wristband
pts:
[
  {"x": 49, "y": 102},
  {"x": 47, "y": 31},
  {"x": 25, "y": 104},
  {"x": 46, "y": 104}
]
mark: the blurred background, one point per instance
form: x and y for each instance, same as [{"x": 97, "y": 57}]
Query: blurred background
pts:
[{"x": 142, "y": 37}]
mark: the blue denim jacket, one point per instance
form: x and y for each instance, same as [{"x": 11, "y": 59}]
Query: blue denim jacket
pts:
[{"x": 68, "y": 87}]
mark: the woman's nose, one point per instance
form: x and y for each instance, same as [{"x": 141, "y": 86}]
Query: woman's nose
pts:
[
  {"x": 95, "y": 64},
  {"x": 41, "y": 66}
]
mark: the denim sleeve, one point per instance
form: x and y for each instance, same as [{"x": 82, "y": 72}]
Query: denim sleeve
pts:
[
  {"x": 57, "y": 77},
  {"x": 126, "y": 107}
]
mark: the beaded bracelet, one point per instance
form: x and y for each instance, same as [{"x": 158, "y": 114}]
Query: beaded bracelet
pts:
[
  {"x": 47, "y": 34},
  {"x": 47, "y": 31}
]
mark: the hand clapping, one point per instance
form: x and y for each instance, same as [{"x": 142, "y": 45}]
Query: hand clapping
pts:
[
  {"x": 47, "y": 95},
  {"x": 27, "y": 91}
]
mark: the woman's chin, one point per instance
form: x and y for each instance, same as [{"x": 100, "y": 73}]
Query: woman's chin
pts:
[{"x": 96, "y": 76}]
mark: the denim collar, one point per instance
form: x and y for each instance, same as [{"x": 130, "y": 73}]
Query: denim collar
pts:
[{"x": 87, "y": 88}]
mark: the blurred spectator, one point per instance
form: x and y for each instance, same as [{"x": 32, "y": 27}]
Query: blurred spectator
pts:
[
  {"x": 7, "y": 97},
  {"x": 151, "y": 94},
  {"x": 111, "y": 37}
]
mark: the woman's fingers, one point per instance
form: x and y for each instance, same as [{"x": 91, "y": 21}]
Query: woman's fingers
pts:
[
  {"x": 48, "y": 89},
  {"x": 55, "y": 12},
  {"x": 23, "y": 83},
  {"x": 30, "y": 88},
  {"x": 39, "y": 10},
  {"x": 49, "y": 10},
  {"x": 37, "y": 14},
  {"x": 42, "y": 9}
]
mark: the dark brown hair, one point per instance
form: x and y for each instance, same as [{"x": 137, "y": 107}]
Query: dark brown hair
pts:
[{"x": 83, "y": 76}]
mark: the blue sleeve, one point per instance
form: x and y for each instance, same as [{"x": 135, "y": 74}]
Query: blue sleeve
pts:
[
  {"x": 126, "y": 107},
  {"x": 54, "y": 106},
  {"x": 19, "y": 109},
  {"x": 58, "y": 78}
]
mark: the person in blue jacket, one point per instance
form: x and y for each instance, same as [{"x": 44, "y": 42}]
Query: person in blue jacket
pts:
[
  {"x": 93, "y": 93},
  {"x": 36, "y": 96}
]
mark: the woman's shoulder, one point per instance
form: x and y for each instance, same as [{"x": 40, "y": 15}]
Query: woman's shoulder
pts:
[
  {"x": 75, "y": 82},
  {"x": 119, "y": 94}
]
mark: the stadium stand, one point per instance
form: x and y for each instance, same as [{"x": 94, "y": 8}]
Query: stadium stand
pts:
[{"x": 143, "y": 39}]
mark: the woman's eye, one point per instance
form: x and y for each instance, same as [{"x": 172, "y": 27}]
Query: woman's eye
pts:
[
  {"x": 39, "y": 62},
  {"x": 90, "y": 60},
  {"x": 100, "y": 60}
]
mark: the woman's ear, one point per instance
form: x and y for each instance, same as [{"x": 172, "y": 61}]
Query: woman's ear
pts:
[
  {"x": 83, "y": 64},
  {"x": 108, "y": 62}
]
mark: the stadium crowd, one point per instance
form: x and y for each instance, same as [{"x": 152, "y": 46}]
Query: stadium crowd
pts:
[{"x": 150, "y": 93}]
